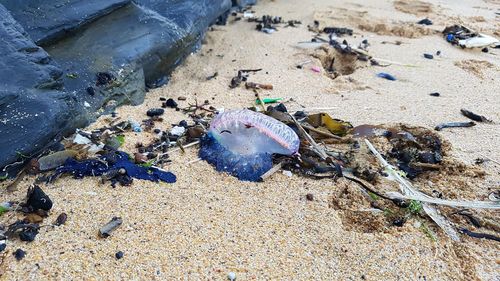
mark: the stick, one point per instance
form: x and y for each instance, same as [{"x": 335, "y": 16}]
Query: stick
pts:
[
  {"x": 316, "y": 148},
  {"x": 310, "y": 128},
  {"x": 106, "y": 230},
  {"x": 271, "y": 172}
]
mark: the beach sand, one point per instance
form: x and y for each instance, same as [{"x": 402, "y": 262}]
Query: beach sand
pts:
[{"x": 208, "y": 224}]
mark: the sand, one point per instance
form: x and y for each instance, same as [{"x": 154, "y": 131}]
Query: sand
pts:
[{"x": 208, "y": 224}]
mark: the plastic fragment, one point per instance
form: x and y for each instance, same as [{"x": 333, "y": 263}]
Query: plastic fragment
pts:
[
  {"x": 268, "y": 100},
  {"x": 316, "y": 69},
  {"x": 386, "y": 76},
  {"x": 178, "y": 131}
]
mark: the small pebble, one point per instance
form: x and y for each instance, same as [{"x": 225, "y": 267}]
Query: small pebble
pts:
[
  {"x": 119, "y": 255},
  {"x": 183, "y": 123},
  {"x": 163, "y": 99},
  {"x": 425, "y": 22},
  {"x": 155, "y": 112},
  {"x": 3, "y": 245},
  {"x": 309, "y": 197},
  {"x": 171, "y": 103},
  {"x": 428, "y": 56},
  {"x": 438, "y": 53},
  {"x": 231, "y": 276},
  {"x": 434, "y": 94},
  {"x": 19, "y": 254},
  {"x": 399, "y": 222},
  {"x": 182, "y": 98},
  {"x": 485, "y": 50}
]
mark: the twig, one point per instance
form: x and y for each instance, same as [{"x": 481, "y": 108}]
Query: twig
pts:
[
  {"x": 260, "y": 100},
  {"x": 492, "y": 160},
  {"x": 452, "y": 203},
  {"x": 310, "y": 128},
  {"x": 316, "y": 148},
  {"x": 271, "y": 172}
]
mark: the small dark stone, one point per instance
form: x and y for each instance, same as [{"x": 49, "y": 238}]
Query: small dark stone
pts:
[
  {"x": 119, "y": 255},
  {"x": 113, "y": 114},
  {"x": 163, "y": 99},
  {"x": 309, "y": 197},
  {"x": 183, "y": 123},
  {"x": 90, "y": 91},
  {"x": 428, "y": 56},
  {"x": 427, "y": 157},
  {"x": 37, "y": 199},
  {"x": 434, "y": 94},
  {"x": 19, "y": 254},
  {"x": 399, "y": 222},
  {"x": 61, "y": 219},
  {"x": 485, "y": 50},
  {"x": 171, "y": 103},
  {"x": 157, "y": 131},
  {"x": 155, "y": 112},
  {"x": 152, "y": 155},
  {"x": 425, "y": 22},
  {"x": 104, "y": 78},
  {"x": 28, "y": 234},
  {"x": 281, "y": 107},
  {"x": 438, "y": 53},
  {"x": 2, "y": 246}
]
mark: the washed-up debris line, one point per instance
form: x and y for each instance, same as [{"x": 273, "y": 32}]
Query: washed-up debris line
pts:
[{"x": 242, "y": 143}]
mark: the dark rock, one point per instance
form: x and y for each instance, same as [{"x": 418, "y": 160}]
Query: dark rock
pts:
[
  {"x": 309, "y": 197},
  {"x": 37, "y": 199},
  {"x": 434, "y": 94},
  {"x": 119, "y": 45},
  {"x": 2, "y": 246},
  {"x": 119, "y": 255},
  {"x": 425, "y": 22},
  {"x": 244, "y": 3},
  {"x": 61, "y": 219},
  {"x": 183, "y": 123},
  {"x": 428, "y": 56},
  {"x": 171, "y": 103},
  {"x": 155, "y": 112},
  {"x": 48, "y": 21},
  {"x": 19, "y": 254},
  {"x": 399, "y": 222},
  {"x": 28, "y": 234}
]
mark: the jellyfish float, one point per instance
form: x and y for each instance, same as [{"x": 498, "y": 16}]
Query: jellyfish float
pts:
[{"x": 242, "y": 142}]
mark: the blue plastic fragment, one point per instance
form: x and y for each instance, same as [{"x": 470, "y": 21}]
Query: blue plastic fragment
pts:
[
  {"x": 110, "y": 162},
  {"x": 386, "y": 76},
  {"x": 450, "y": 37}
]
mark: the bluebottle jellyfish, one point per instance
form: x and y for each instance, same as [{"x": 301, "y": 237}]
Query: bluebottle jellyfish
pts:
[{"x": 242, "y": 142}]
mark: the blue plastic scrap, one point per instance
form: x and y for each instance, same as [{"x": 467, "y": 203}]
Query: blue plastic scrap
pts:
[
  {"x": 386, "y": 76},
  {"x": 112, "y": 162}
]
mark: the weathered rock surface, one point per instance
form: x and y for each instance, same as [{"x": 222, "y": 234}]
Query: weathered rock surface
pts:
[
  {"x": 32, "y": 109},
  {"x": 97, "y": 54}
]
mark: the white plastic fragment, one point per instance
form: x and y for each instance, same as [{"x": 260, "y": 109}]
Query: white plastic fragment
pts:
[
  {"x": 178, "y": 131},
  {"x": 287, "y": 173},
  {"x": 86, "y": 104},
  {"x": 248, "y": 15},
  {"x": 480, "y": 41},
  {"x": 79, "y": 139}
]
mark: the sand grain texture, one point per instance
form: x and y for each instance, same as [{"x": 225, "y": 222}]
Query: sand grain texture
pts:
[{"x": 208, "y": 224}]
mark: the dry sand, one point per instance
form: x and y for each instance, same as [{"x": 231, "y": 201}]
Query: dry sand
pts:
[{"x": 208, "y": 224}]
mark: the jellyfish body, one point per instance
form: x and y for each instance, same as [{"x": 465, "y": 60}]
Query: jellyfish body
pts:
[{"x": 242, "y": 142}]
